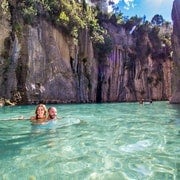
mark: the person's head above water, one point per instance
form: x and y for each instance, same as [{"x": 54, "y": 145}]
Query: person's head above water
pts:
[
  {"x": 52, "y": 113},
  {"x": 41, "y": 113}
]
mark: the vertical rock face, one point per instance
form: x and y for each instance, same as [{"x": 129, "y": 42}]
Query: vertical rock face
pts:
[
  {"x": 7, "y": 73},
  {"x": 176, "y": 52},
  {"x": 48, "y": 65},
  {"x": 43, "y": 64},
  {"x": 53, "y": 69},
  {"x": 133, "y": 73}
]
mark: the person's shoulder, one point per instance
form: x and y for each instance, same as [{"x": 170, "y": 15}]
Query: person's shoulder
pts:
[{"x": 32, "y": 118}]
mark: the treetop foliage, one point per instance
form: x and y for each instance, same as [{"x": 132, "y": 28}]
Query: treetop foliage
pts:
[{"x": 73, "y": 15}]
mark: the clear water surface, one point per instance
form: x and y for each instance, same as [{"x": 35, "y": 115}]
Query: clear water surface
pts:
[{"x": 123, "y": 141}]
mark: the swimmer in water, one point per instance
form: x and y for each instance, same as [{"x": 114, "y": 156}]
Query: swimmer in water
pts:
[
  {"x": 41, "y": 114},
  {"x": 52, "y": 111}
]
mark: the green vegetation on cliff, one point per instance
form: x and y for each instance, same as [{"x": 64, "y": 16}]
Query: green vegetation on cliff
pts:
[{"x": 73, "y": 15}]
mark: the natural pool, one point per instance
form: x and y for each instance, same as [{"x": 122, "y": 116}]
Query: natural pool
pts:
[{"x": 123, "y": 141}]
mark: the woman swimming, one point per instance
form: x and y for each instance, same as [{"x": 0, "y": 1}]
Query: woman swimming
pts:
[{"x": 41, "y": 114}]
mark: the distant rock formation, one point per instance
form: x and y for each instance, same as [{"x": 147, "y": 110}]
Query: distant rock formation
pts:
[{"x": 176, "y": 52}]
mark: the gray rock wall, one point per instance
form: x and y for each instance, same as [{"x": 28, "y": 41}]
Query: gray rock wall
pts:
[
  {"x": 43, "y": 64},
  {"x": 58, "y": 70},
  {"x": 130, "y": 73},
  {"x": 176, "y": 52}
]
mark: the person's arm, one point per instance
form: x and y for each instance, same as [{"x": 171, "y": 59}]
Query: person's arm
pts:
[
  {"x": 33, "y": 119},
  {"x": 17, "y": 118}
]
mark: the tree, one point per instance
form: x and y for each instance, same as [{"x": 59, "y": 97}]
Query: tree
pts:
[{"x": 157, "y": 20}]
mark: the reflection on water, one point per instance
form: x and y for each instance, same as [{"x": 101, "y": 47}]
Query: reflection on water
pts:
[{"x": 92, "y": 141}]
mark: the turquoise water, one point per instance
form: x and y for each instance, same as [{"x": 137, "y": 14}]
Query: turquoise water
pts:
[{"x": 123, "y": 141}]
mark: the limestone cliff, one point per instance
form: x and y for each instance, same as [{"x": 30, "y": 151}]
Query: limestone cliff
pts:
[
  {"x": 41, "y": 63},
  {"x": 44, "y": 65},
  {"x": 138, "y": 68},
  {"x": 176, "y": 52}
]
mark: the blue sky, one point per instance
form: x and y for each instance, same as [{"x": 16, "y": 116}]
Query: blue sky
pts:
[{"x": 149, "y": 8}]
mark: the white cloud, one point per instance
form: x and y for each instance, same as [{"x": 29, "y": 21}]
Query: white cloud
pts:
[
  {"x": 115, "y": 1},
  {"x": 126, "y": 7},
  {"x": 129, "y": 2},
  {"x": 148, "y": 7},
  {"x": 155, "y": 3}
]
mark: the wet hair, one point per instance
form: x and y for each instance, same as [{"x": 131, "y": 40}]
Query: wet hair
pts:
[{"x": 45, "y": 110}]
